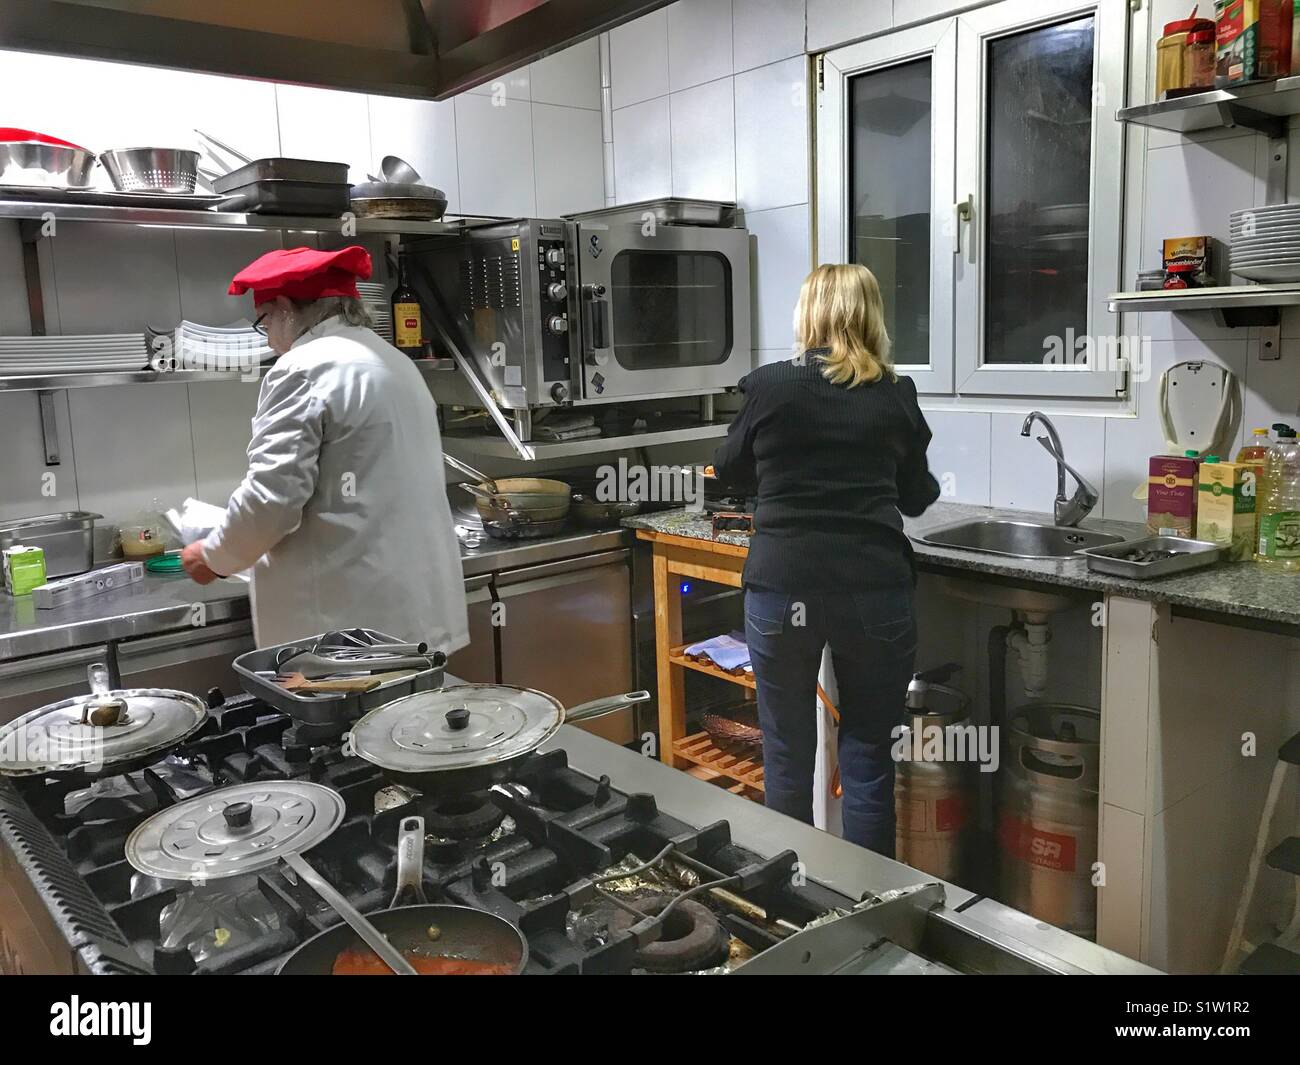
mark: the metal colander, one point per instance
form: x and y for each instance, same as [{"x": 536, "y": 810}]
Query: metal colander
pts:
[{"x": 163, "y": 170}]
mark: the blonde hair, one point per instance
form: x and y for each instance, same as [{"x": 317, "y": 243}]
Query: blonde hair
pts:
[{"x": 840, "y": 308}]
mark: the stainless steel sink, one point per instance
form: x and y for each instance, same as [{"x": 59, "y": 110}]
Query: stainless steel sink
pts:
[{"x": 1020, "y": 539}]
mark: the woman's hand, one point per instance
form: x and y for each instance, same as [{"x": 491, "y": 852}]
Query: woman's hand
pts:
[{"x": 196, "y": 565}]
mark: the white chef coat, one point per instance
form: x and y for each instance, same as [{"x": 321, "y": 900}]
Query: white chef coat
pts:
[{"x": 343, "y": 512}]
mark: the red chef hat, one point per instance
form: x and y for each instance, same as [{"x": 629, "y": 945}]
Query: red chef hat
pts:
[{"x": 303, "y": 274}]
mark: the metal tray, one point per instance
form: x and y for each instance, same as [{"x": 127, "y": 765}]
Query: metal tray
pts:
[
  {"x": 312, "y": 171},
  {"x": 669, "y": 211},
  {"x": 67, "y": 538},
  {"x": 330, "y": 709},
  {"x": 277, "y": 196},
  {"x": 1188, "y": 554}
]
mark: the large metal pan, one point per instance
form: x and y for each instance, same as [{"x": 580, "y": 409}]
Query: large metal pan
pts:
[
  {"x": 515, "y": 500},
  {"x": 422, "y": 933},
  {"x": 467, "y": 737}
]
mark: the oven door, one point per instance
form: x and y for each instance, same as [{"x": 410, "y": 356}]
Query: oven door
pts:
[{"x": 664, "y": 312}]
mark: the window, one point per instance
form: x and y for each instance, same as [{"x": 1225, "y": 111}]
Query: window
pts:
[{"x": 975, "y": 166}]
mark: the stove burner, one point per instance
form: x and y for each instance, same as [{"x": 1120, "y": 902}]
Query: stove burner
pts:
[
  {"x": 467, "y": 816},
  {"x": 692, "y": 938}
]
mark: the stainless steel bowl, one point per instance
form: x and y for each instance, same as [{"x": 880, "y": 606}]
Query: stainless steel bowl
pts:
[
  {"x": 52, "y": 166},
  {"x": 167, "y": 170}
]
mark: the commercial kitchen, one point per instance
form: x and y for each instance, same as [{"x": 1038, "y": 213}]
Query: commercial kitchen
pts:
[{"x": 587, "y": 223}]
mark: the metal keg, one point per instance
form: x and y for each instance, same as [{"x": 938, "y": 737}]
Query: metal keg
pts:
[
  {"x": 1047, "y": 814},
  {"x": 934, "y": 797}
]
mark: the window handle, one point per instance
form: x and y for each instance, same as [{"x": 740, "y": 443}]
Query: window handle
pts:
[{"x": 965, "y": 212}]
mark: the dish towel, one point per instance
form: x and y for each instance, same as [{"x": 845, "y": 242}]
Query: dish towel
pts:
[{"x": 725, "y": 652}]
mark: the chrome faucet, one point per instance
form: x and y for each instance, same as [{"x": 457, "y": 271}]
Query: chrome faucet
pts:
[{"x": 1068, "y": 510}]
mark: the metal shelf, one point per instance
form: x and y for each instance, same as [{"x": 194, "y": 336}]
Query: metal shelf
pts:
[
  {"x": 95, "y": 379},
  {"x": 184, "y": 219},
  {"x": 1262, "y": 106},
  {"x": 1223, "y": 298},
  {"x": 498, "y": 447}
]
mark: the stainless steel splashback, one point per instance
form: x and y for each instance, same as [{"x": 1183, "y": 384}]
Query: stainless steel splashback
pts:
[{"x": 418, "y": 48}]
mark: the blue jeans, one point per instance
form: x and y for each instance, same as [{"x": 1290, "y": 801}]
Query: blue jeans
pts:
[{"x": 872, "y": 636}]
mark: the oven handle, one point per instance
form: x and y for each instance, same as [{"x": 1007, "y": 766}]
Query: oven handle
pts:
[{"x": 595, "y": 316}]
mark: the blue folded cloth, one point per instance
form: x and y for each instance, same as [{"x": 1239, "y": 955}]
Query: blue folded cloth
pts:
[{"x": 725, "y": 652}]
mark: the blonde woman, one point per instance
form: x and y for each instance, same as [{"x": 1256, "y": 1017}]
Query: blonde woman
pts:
[{"x": 832, "y": 444}]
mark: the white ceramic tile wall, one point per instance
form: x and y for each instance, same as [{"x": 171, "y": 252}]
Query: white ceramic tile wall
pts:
[
  {"x": 959, "y": 455},
  {"x": 703, "y": 143},
  {"x": 699, "y": 42},
  {"x": 772, "y": 135},
  {"x": 765, "y": 31},
  {"x": 832, "y": 22},
  {"x": 638, "y": 54},
  {"x": 779, "y": 254},
  {"x": 642, "y": 150},
  {"x": 123, "y": 446}
]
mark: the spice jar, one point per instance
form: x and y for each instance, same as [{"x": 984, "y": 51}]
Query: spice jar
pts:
[
  {"x": 1198, "y": 60},
  {"x": 1173, "y": 54}
]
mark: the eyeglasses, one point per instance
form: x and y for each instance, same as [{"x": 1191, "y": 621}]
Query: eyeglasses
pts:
[{"x": 257, "y": 326}]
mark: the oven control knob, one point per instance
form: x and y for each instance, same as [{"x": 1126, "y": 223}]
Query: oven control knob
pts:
[
  {"x": 558, "y": 291},
  {"x": 555, "y": 256},
  {"x": 557, "y": 323},
  {"x": 560, "y": 392}
]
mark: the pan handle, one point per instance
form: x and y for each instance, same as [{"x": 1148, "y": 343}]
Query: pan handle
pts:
[
  {"x": 410, "y": 863},
  {"x": 369, "y": 933},
  {"x": 599, "y": 707}
]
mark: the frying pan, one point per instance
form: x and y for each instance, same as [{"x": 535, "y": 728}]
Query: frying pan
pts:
[{"x": 462, "y": 932}]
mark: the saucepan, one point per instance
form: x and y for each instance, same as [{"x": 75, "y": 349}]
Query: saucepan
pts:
[
  {"x": 435, "y": 939},
  {"x": 467, "y": 737},
  {"x": 515, "y": 500}
]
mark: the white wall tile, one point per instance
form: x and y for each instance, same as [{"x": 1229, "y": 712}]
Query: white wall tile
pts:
[
  {"x": 772, "y": 136},
  {"x": 959, "y": 455},
  {"x": 25, "y": 489},
  {"x": 699, "y": 42},
  {"x": 132, "y": 445},
  {"x": 570, "y": 167},
  {"x": 1271, "y": 391},
  {"x": 570, "y": 78},
  {"x": 832, "y": 22},
  {"x": 780, "y": 252},
  {"x": 704, "y": 141},
  {"x": 766, "y": 355},
  {"x": 515, "y": 85},
  {"x": 642, "y": 151},
  {"x": 495, "y": 141},
  {"x": 325, "y": 124},
  {"x": 765, "y": 31},
  {"x": 208, "y": 260},
  {"x": 1023, "y": 473},
  {"x": 114, "y": 279},
  {"x": 221, "y": 416},
  {"x": 638, "y": 56},
  {"x": 423, "y": 132}
]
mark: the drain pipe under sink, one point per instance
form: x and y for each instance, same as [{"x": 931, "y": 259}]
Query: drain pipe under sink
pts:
[{"x": 1029, "y": 642}]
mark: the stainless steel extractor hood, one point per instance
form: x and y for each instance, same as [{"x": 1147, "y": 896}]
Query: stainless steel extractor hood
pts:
[{"x": 421, "y": 48}]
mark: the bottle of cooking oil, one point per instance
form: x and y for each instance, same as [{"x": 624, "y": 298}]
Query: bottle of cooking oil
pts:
[
  {"x": 1279, "y": 505},
  {"x": 1253, "y": 455}
]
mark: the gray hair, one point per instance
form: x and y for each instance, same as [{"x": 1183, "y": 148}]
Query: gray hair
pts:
[{"x": 349, "y": 308}]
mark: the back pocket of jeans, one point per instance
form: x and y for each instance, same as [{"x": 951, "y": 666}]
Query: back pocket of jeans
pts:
[
  {"x": 887, "y": 618},
  {"x": 766, "y": 611}
]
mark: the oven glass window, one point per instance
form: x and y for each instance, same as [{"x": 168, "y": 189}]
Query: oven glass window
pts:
[
  {"x": 889, "y": 183},
  {"x": 670, "y": 309}
]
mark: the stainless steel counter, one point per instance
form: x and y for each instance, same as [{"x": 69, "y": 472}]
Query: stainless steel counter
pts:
[{"x": 165, "y": 604}]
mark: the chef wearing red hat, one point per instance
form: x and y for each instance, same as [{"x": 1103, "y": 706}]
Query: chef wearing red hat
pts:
[{"x": 343, "y": 513}]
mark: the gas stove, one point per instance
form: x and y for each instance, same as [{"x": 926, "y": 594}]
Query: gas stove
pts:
[{"x": 539, "y": 851}]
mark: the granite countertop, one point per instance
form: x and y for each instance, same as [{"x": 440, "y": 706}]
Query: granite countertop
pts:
[{"x": 1240, "y": 590}]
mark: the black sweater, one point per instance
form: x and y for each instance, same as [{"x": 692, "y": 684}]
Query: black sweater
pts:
[{"x": 831, "y": 467}]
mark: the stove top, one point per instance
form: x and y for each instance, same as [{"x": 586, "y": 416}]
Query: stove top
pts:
[{"x": 554, "y": 851}]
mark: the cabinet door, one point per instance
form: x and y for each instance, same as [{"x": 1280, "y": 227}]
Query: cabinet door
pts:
[
  {"x": 885, "y": 116},
  {"x": 1039, "y": 157},
  {"x": 477, "y": 663}
]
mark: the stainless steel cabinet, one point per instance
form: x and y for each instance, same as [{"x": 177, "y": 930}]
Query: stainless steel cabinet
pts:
[{"x": 477, "y": 663}]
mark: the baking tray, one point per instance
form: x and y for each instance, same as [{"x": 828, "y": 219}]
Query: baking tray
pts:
[
  {"x": 277, "y": 196},
  {"x": 333, "y": 708},
  {"x": 1188, "y": 554},
  {"x": 106, "y": 198},
  {"x": 669, "y": 211},
  {"x": 312, "y": 171}
]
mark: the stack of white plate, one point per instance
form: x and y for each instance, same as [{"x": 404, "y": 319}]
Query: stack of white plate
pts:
[
  {"x": 215, "y": 349},
  {"x": 374, "y": 295},
  {"x": 88, "y": 353},
  {"x": 1266, "y": 243}
]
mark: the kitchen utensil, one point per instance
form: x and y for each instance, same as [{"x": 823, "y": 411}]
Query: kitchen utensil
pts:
[
  {"x": 296, "y": 682},
  {"x": 317, "y": 666},
  {"x": 224, "y": 147},
  {"x": 90, "y": 197},
  {"x": 526, "y": 499},
  {"x": 165, "y": 170},
  {"x": 673, "y": 210},
  {"x": 168, "y": 563},
  {"x": 1174, "y": 554},
  {"x": 67, "y": 538},
  {"x": 37, "y": 160},
  {"x": 397, "y": 171},
  {"x": 257, "y": 671},
  {"x": 509, "y": 529},
  {"x": 592, "y": 513},
  {"x": 467, "y": 737},
  {"x": 243, "y": 829},
  {"x": 74, "y": 738},
  {"x": 277, "y": 196},
  {"x": 415, "y": 927},
  {"x": 412, "y": 208},
  {"x": 310, "y": 171},
  {"x": 485, "y": 482}
]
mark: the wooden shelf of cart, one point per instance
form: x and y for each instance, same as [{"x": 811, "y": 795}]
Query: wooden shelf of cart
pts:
[
  {"x": 745, "y": 680},
  {"x": 735, "y": 761}
]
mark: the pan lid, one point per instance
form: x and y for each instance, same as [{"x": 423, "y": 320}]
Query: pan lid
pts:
[
  {"x": 97, "y": 731},
  {"x": 234, "y": 831},
  {"x": 456, "y": 728}
]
